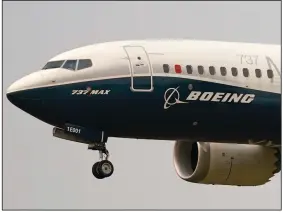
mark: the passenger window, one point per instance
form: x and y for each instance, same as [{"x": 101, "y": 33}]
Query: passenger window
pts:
[
  {"x": 234, "y": 71},
  {"x": 70, "y": 64},
  {"x": 200, "y": 69},
  {"x": 223, "y": 71},
  {"x": 85, "y": 63},
  {"x": 258, "y": 73},
  {"x": 270, "y": 73},
  {"x": 166, "y": 68},
  {"x": 211, "y": 70},
  {"x": 246, "y": 72},
  {"x": 53, "y": 64},
  {"x": 189, "y": 69}
]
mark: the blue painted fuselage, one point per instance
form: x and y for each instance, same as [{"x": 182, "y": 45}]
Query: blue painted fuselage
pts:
[{"x": 122, "y": 112}]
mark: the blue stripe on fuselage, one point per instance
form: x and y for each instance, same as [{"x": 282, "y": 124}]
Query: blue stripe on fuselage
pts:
[{"x": 124, "y": 113}]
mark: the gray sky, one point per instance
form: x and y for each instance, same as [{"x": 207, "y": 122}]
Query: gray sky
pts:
[{"x": 43, "y": 172}]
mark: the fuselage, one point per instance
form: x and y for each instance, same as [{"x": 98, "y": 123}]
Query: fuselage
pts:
[{"x": 167, "y": 89}]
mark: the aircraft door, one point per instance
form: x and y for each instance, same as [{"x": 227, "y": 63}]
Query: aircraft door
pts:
[{"x": 140, "y": 69}]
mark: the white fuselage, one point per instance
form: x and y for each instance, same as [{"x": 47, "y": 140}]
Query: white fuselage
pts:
[{"x": 224, "y": 73}]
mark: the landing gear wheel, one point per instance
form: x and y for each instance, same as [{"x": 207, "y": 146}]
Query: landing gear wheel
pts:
[
  {"x": 105, "y": 168},
  {"x": 95, "y": 171}
]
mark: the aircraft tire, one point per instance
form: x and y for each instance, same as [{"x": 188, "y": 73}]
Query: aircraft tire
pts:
[
  {"x": 105, "y": 168},
  {"x": 96, "y": 172}
]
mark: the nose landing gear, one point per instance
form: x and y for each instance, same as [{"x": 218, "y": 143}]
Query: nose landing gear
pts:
[{"x": 104, "y": 168}]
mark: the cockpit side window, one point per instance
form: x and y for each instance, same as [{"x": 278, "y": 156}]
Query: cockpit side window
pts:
[
  {"x": 85, "y": 63},
  {"x": 53, "y": 64},
  {"x": 70, "y": 65}
]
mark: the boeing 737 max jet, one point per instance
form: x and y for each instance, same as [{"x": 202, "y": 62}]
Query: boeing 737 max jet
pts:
[{"x": 220, "y": 102}]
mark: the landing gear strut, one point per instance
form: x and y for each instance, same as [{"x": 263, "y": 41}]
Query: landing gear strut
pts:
[{"x": 104, "y": 168}]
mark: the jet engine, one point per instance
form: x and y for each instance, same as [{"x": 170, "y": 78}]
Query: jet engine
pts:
[{"x": 226, "y": 164}]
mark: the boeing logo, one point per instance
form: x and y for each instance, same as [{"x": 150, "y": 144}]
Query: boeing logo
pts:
[{"x": 172, "y": 97}]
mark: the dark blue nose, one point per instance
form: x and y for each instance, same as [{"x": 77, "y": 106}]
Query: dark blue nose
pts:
[
  {"x": 35, "y": 103},
  {"x": 10, "y": 97},
  {"x": 30, "y": 105}
]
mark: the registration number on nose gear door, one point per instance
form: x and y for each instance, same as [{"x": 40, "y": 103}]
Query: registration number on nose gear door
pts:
[{"x": 73, "y": 130}]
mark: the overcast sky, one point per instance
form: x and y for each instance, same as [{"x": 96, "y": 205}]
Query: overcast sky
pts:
[{"x": 43, "y": 172}]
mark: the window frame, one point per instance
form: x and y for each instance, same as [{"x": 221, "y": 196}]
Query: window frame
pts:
[
  {"x": 200, "y": 67},
  {"x": 212, "y": 68},
  {"x": 236, "y": 71},
  {"x": 246, "y": 69},
  {"x": 259, "y": 72},
  {"x": 225, "y": 69},
  {"x": 271, "y": 71},
  {"x": 84, "y": 67},
  {"x": 54, "y": 62},
  {"x": 71, "y": 60},
  {"x": 191, "y": 67},
  {"x": 167, "y": 66}
]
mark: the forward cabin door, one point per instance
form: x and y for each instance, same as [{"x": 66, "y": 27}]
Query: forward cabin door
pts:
[{"x": 140, "y": 69}]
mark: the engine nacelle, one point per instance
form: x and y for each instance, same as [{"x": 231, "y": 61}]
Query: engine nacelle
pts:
[{"x": 226, "y": 164}]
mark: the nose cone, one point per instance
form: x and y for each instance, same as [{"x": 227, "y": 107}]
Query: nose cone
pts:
[
  {"x": 30, "y": 81},
  {"x": 27, "y": 102},
  {"x": 31, "y": 95},
  {"x": 16, "y": 86},
  {"x": 11, "y": 97},
  {"x": 23, "y": 100},
  {"x": 22, "y": 94},
  {"x": 22, "y": 88},
  {"x": 15, "y": 91}
]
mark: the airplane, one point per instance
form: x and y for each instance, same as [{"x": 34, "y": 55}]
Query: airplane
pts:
[{"x": 219, "y": 101}]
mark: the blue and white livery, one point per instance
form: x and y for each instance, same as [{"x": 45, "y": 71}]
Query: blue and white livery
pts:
[{"x": 220, "y": 102}]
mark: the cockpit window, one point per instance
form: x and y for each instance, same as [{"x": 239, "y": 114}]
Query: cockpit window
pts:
[
  {"x": 70, "y": 64},
  {"x": 86, "y": 63},
  {"x": 53, "y": 64}
]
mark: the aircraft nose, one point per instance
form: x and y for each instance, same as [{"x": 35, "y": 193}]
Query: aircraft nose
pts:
[
  {"x": 26, "y": 82},
  {"x": 22, "y": 87},
  {"x": 25, "y": 100},
  {"x": 12, "y": 91},
  {"x": 16, "y": 86},
  {"x": 20, "y": 93},
  {"x": 10, "y": 97},
  {"x": 22, "y": 99},
  {"x": 30, "y": 95}
]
